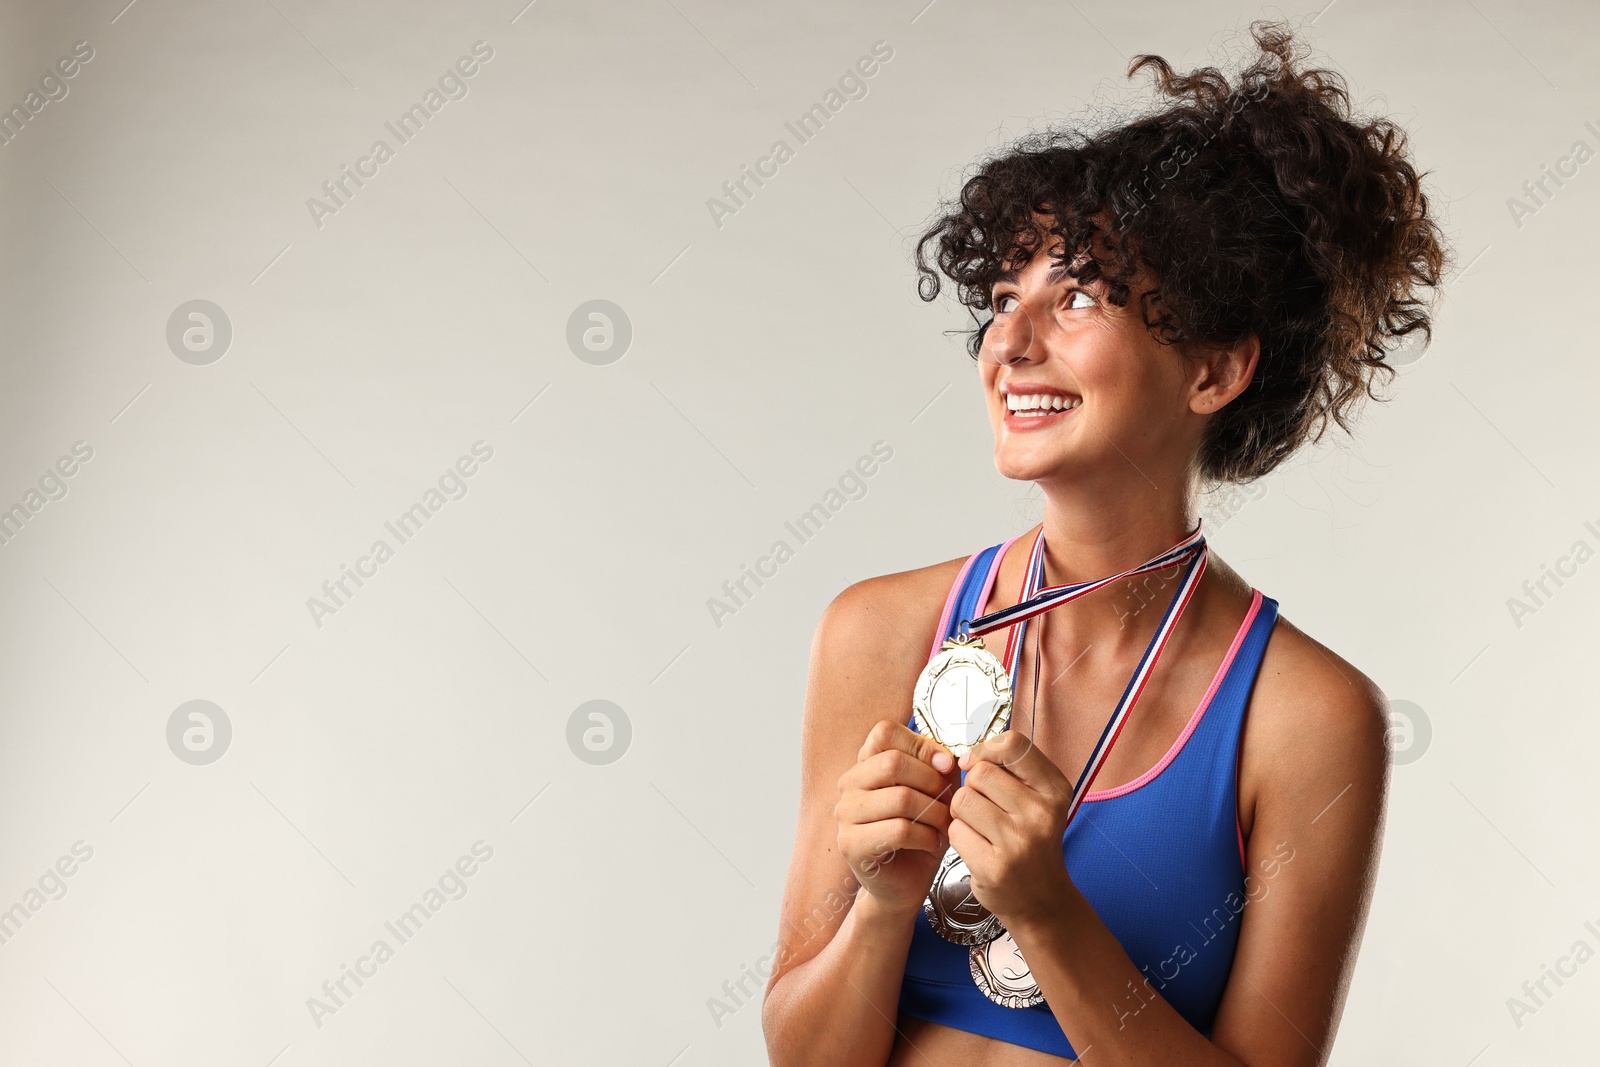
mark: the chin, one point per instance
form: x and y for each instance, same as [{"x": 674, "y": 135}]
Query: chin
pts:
[{"x": 1031, "y": 465}]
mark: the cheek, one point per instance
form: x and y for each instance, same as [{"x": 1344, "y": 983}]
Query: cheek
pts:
[
  {"x": 1119, "y": 370},
  {"x": 987, "y": 373},
  {"x": 1104, "y": 368}
]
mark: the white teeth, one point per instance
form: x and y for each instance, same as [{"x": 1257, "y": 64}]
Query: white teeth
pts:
[{"x": 1040, "y": 403}]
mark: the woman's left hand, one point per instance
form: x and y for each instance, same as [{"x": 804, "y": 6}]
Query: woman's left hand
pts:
[{"x": 1007, "y": 822}]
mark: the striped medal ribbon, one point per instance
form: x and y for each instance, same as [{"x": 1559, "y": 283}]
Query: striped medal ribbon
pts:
[
  {"x": 1037, "y": 601},
  {"x": 997, "y": 964},
  {"x": 952, "y": 911}
]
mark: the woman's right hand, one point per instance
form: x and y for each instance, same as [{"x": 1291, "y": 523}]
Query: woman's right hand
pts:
[{"x": 894, "y": 814}]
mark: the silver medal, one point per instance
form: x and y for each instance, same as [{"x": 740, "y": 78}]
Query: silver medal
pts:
[
  {"x": 1002, "y": 975},
  {"x": 962, "y": 698},
  {"x": 952, "y": 910}
]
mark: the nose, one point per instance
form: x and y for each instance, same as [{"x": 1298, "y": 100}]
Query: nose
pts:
[{"x": 1009, "y": 338}]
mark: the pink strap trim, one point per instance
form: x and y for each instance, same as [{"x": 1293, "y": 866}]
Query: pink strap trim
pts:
[
  {"x": 950, "y": 606},
  {"x": 1194, "y": 720},
  {"x": 955, "y": 591},
  {"x": 994, "y": 572}
]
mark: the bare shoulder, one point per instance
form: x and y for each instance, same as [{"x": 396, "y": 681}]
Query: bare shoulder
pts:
[
  {"x": 1314, "y": 721},
  {"x": 888, "y": 620},
  {"x": 870, "y": 644},
  {"x": 1307, "y": 688}
]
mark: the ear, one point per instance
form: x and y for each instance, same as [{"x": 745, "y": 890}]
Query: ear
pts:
[{"x": 1222, "y": 374}]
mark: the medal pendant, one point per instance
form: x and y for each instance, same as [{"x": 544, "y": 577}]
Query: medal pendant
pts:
[
  {"x": 963, "y": 696},
  {"x": 1002, "y": 975},
  {"x": 952, "y": 910}
]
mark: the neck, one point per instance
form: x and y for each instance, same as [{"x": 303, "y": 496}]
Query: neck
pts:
[{"x": 1092, "y": 534}]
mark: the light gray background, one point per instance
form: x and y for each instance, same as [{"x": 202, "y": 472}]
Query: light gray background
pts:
[{"x": 767, "y": 356}]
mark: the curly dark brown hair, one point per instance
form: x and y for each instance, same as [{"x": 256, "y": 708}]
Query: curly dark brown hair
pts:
[{"x": 1262, "y": 206}]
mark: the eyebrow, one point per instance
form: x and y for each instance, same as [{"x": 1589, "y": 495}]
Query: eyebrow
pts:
[{"x": 1058, "y": 270}]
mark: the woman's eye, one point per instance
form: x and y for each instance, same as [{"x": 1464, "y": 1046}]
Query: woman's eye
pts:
[
  {"x": 1080, "y": 299},
  {"x": 1004, "y": 303}
]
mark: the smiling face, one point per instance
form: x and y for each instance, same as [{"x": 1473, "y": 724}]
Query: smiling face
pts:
[{"x": 1077, "y": 389}]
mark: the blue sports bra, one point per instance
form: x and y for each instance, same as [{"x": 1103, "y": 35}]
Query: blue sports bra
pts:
[{"x": 1160, "y": 858}]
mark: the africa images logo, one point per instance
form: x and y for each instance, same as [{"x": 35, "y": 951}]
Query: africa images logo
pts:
[
  {"x": 452, "y": 85},
  {"x": 851, "y": 485},
  {"x": 337, "y": 992},
  {"x": 53, "y": 88},
  {"x": 852, "y": 85},
  {"x": 1538, "y": 592},
  {"x": 453, "y": 484}
]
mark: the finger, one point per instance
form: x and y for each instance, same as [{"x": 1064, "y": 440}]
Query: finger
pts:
[
  {"x": 975, "y": 849},
  {"x": 896, "y": 768},
  {"x": 980, "y": 813},
  {"x": 1000, "y": 786},
  {"x": 895, "y": 835},
  {"x": 1018, "y": 754},
  {"x": 895, "y": 802},
  {"x": 888, "y": 735}
]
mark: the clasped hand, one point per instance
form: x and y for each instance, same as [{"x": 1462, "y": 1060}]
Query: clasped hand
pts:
[
  {"x": 1006, "y": 822},
  {"x": 899, "y": 805}
]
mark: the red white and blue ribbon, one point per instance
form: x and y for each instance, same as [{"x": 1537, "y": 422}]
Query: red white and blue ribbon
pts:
[{"x": 1036, "y": 601}]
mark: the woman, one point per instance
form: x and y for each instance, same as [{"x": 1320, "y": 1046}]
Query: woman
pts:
[{"x": 1176, "y": 302}]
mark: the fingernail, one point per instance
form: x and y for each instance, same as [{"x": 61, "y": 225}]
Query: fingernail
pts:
[{"x": 942, "y": 761}]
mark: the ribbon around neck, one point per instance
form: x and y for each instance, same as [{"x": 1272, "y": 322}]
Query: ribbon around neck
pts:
[{"x": 1035, "y": 601}]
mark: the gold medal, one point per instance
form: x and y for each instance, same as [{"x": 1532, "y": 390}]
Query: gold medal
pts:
[
  {"x": 963, "y": 696},
  {"x": 1002, "y": 975}
]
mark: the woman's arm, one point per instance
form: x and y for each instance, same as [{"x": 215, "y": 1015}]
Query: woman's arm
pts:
[
  {"x": 870, "y": 836},
  {"x": 1316, "y": 799},
  {"x": 1321, "y": 787}
]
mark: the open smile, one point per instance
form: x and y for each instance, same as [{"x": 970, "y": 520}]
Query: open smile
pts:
[{"x": 1030, "y": 406}]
